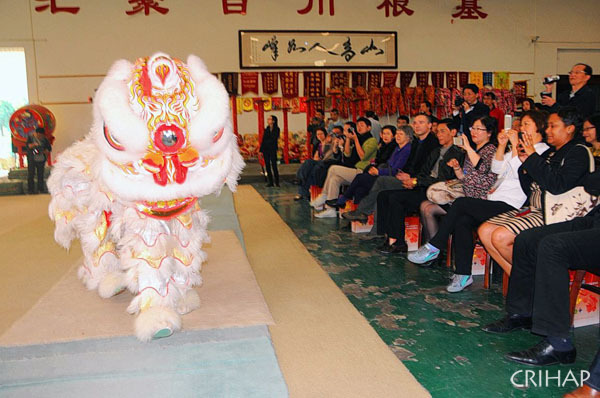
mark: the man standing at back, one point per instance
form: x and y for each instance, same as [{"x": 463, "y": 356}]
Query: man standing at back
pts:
[
  {"x": 469, "y": 110},
  {"x": 581, "y": 95},
  {"x": 489, "y": 99}
]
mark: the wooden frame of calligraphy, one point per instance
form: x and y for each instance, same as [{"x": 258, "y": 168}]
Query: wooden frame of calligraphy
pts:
[{"x": 309, "y": 49}]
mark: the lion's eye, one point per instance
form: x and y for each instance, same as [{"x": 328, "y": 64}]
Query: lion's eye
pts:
[
  {"x": 111, "y": 140},
  {"x": 218, "y": 134}
]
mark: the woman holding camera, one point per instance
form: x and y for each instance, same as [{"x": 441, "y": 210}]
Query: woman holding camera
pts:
[
  {"x": 324, "y": 152},
  {"x": 268, "y": 148},
  {"x": 392, "y": 155},
  {"x": 468, "y": 212},
  {"x": 557, "y": 170}
]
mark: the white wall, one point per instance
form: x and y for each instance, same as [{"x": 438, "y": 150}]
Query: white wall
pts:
[{"x": 83, "y": 46}]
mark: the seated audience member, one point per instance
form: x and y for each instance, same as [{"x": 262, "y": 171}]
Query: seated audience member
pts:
[
  {"x": 557, "y": 170},
  {"x": 426, "y": 109},
  {"x": 489, "y": 99},
  {"x": 324, "y": 152},
  {"x": 581, "y": 96},
  {"x": 502, "y": 165},
  {"x": 470, "y": 110},
  {"x": 402, "y": 120},
  {"x": 467, "y": 213},
  {"x": 334, "y": 120},
  {"x": 400, "y": 143},
  {"x": 590, "y": 135},
  {"x": 527, "y": 105},
  {"x": 421, "y": 148},
  {"x": 538, "y": 291},
  {"x": 315, "y": 123},
  {"x": 320, "y": 169},
  {"x": 393, "y": 205},
  {"x": 359, "y": 144}
]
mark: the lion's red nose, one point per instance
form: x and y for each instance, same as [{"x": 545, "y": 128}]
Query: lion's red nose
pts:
[{"x": 169, "y": 138}]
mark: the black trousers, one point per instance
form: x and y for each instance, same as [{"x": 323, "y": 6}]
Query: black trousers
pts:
[
  {"x": 32, "y": 169},
  {"x": 463, "y": 217},
  {"x": 594, "y": 380},
  {"x": 539, "y": 280},
  {"x": 271, "y": 161},
  {"x": 392, "y": 208}
]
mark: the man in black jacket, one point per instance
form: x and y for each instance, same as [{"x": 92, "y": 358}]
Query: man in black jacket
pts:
[
  {"x": 538, "y": 295},
  {"x": 470, "y": 110},
  {"x": 581, "y": 96},
  {"x": 393, "y": 205},
  {"x": 432, "y": 169}
]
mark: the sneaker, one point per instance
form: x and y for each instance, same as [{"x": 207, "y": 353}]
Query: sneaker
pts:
[
  {"x": 395, "y": 248},
  {"x": 459, "y": 282},
  {"x": 329, "y": 212},
  {"x": 425, "y": 254},
  {"x": 318, "y": 202}
]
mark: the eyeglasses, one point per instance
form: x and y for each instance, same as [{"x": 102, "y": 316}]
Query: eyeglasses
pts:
[
  {"x": 477, "y": 129},
  {"x": 589, "y": 128},
  {"x": 574, "y": 72}
]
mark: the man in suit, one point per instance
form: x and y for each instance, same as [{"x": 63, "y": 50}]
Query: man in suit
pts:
[
  {"x": 469, "y": 110},
  {"x": 538, "y": 293}
]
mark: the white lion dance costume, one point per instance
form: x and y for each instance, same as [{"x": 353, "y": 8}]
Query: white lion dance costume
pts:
[{"x": 161, "y": 138}]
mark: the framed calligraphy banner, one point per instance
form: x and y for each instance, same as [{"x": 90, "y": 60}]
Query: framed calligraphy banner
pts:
[{"x": 307, "y": 49}]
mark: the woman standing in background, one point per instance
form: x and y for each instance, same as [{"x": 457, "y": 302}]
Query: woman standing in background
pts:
[{"x": 268, "y": 148}]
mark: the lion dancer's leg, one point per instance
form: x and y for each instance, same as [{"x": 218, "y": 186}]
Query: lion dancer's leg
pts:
[
  {"x": 101, "y": 265},
  {"x": 163, "y": 263},
  {"x": 189, "y": 233}
]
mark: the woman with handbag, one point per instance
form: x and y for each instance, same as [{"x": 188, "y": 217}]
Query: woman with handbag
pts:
[
  {"x": 556, "y": 171},
  {"x": 466, "y": 213}
]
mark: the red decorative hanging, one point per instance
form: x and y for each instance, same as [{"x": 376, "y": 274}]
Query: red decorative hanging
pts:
[
  {"x": 359, "y": 79},
  {"x": 249, "y": 82},
  {"x": 437, "y": 79},
  {"x": 405, "y": 79},
  {"x": 422, "y": 79},
  {"x": 289, "y": 84},
  {"x": 314, "y": 84},
  {"x": 389, "y": 79},
  {"x": 269, "y": 82},
  {"x": 463, "y": 79},
  {"x": 451, "y": 80},
  {"x": 374, "y": 80},
  {"x": 338, "y": 80}
]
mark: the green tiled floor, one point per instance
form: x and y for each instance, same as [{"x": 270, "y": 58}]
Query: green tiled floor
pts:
[{"x": 436, "y": 334}]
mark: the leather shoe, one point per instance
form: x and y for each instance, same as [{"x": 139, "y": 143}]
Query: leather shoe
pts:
[
  {"x": 396, "y": 247},
  {"x": 508, "y": 324},
  {"x": 334, "y": 203},
  {"x": 542, "y": 354},
  {"x": 583, "y": 392},
  {"x": 355, "y": 215}
]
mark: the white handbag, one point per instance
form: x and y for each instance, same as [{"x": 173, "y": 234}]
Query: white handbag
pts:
[{"x": 568, "y": 205}]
